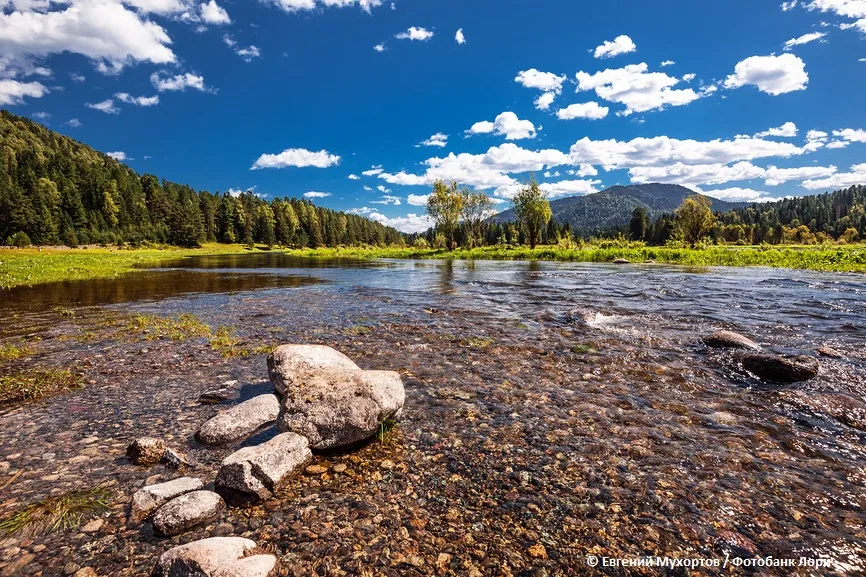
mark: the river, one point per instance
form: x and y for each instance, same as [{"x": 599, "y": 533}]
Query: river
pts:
[{"x": 563, "y": 404}]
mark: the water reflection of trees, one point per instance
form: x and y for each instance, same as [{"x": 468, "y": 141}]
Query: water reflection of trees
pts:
[{"x": 143, "y": 286}]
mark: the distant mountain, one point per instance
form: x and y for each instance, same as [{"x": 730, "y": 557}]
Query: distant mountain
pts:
[{"x": 612, "y": 207}]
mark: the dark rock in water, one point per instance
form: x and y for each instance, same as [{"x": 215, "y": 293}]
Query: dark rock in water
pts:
[
  {"x": 221, "y": 394},
  {"x": 621, "y": 261},
  {"x": 146, "y": 451},
  {"x": 730, "y": 340},
  {"x": 826, "y": 351},
  {"x": 781, "y": 369},
  {"x": 188, "y": 511},
  {"x": 843, "y": 408},
  {"x": 174, "y": 460}
]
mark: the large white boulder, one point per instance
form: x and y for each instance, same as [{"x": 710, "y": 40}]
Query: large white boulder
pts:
[
  {"x": 338, "y": 406},
  {"x": 240, "y": 420},
  {"x": 258, "y": 472},
  {"x": 290, "y": 365}
]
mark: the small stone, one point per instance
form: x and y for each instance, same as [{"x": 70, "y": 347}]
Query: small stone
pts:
[
  {"x": 151, "y": 498},
  {"x": 339, "y": 468},
  {"x": 146, "y": 451},
  {"x": 93, "y": 526},
  {"x": 537, "y": 551},
  {"x": 442, "y": 561},
  {"x": 621, "y": 261},
  {"x": 826, "y": 351},
  {"x": 85, "y": 572},
  {"x": 316, "y": 470},
  {"x": 70, "y": 568},
  {"x": 730, "y": 340},
  {"x": 39, "y": 548},
  {"x": 9, "y": 553},
  {"x": 387, "y": 465},
  {"x": 188, "y": 511},
  {"x": 174, "y": 460},
  {"x": 4, "y": 467}
]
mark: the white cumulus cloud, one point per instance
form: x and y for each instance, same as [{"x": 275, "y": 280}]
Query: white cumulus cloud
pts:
[
  {"x": 213, "y": 13},
  {"x": 14, "y": 92},
  {"x": 460, "y": 37},
  {"x": 610, "y": 48},
  {"x": 409, "y": 223},
  {"x": 137, "y": 100},
  {"x": 787, "y": 130},
  {"x": 637, "y": 89},
  {"x": 106, "y": 106},
  {"x": 315, "y": 194},
  {"x": 298, "y": 157},
  {"x": 178, "y": 82},
  {"x": 590, "y": 110},
  {"x": 506, "y": 124},
  {"x": 415, "y": 33},
  {"x": 857, "y": 175},
  {"x": 437, "y": 139},
  {"x": 118, "y": 156},
  {"x": 770, "y": 74}
]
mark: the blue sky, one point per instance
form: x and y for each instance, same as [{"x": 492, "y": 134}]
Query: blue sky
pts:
[{"x": 743, "y": 100}]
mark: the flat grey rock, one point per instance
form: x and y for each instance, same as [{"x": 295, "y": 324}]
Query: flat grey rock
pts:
[
  {"x": 149, "y": 499},
  {"x": 188, "y": 511},
  {"x": 259, "y": 472},
  {"x": 240, "y": 420}
]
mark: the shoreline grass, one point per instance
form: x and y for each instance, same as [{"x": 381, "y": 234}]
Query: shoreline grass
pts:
[
  {"x": 832, "y": 258},
  {"x": 32, "y": 266}
]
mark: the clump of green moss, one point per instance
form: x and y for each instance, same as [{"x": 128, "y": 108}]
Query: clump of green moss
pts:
[
  {"x": 65, "y": 511},
  {"x": 385, "y": 429},
  {"x": 228, "y": 345},
  {"x": 358, "y": 330},
  {"x": 179, "y": 328},
  {"x": 10, "y": 351},
  {"x": 36, "y": 383}
]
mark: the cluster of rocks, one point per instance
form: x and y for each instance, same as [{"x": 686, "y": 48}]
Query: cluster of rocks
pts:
[
  {"x": 774, "y": 368},
  {"x": 323, "y": 400}
]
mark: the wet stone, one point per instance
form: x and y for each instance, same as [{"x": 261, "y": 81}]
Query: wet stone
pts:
[
  {"x": 730, "y": 340},
  {"x": 203, "y": 557},
  {"x": 781, "y": 369},
  {"x": 188, "y": 511},
  {"x": 146, "y": 451},
  {"x": 147, "y": 500},
  {"x": 240, "y": 420},
  {"x": 258, "y": 472}
]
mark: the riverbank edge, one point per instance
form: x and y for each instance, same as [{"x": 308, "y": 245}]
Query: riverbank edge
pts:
[{"x": 32, "y": 266}]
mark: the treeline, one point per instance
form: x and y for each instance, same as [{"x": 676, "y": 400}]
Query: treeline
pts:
[
  {"x": 837, "y": 216},
  {"x": 54, "y": 190},
  {"x": 831, "y": 217}
]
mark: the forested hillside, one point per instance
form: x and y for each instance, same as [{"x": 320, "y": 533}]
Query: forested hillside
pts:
[
  {"x": 612, "y": 208},
  {"x": 59, "y": 191},
  {"x": 804, "y": 219}
]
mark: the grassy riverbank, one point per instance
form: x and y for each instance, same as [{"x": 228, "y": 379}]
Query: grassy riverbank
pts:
[
  {"x": 32, "y": 266},
  {"x": 840, "y": 258}
]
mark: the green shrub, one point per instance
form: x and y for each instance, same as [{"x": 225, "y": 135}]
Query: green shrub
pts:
[{"x": 19, "y": 239}]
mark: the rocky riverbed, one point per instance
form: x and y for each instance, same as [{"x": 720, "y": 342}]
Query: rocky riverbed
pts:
[{"x": 530, "y": 438}]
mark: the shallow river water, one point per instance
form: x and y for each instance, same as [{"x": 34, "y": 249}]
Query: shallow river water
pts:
[{"x": 555, "y": 411}]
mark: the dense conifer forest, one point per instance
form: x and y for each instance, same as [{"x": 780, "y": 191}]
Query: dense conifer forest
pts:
[{"x": 55, "y": 190}]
